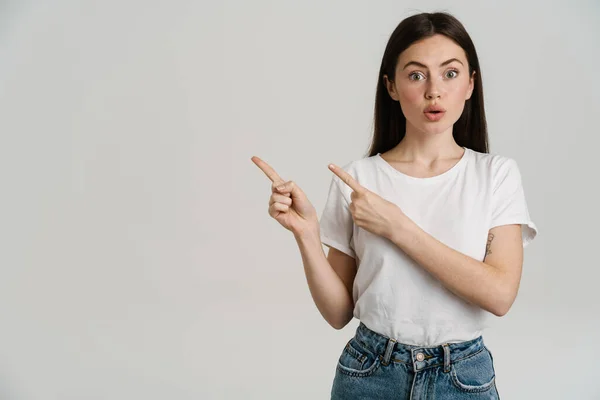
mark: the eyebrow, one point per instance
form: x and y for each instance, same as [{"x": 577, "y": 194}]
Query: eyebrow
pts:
[{"x": 425, "y": 66}]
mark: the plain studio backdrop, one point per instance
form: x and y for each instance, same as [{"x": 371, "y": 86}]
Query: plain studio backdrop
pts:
[{"x": 138, "y": 258}]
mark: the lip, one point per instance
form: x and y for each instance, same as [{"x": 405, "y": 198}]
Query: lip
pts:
[
  {"x": 434, "y": 116},
  {"x": 434, "y": 107}
]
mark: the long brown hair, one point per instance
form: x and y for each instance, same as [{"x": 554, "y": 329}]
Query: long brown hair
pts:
[{"x": 470, "y": 130}]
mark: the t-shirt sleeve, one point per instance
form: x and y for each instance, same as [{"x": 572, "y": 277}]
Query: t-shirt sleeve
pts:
[
  {"x": 336, "y": 221},
  {"x": 509, "y": 205}
]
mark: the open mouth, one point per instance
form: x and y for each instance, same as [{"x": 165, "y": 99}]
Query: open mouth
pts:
[{"x": 434, "y": 115}]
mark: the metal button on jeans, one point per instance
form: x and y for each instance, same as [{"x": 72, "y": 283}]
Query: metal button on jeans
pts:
[{"x": 420, "y": 357}]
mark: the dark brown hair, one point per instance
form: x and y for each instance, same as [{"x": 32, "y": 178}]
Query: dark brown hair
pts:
[{"x": 470, "y": 130}]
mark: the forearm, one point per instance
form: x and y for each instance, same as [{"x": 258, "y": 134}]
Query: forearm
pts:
[
  {"x": 326, "y": 288},
  {"x": 473, "y": 280}
]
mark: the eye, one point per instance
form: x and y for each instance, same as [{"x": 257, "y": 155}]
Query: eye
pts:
[
  {"x": 414, "y": 74},
  {"x": 455, "y": 71}
]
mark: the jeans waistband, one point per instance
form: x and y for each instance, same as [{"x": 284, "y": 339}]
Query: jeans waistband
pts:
[{"x": 420, "y": 357}]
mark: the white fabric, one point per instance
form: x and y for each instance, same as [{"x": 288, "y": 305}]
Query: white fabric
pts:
[{"x": 394, "y": 295}]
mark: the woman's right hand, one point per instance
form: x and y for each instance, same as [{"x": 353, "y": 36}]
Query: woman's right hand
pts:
[{"x": 290, "y": 206}]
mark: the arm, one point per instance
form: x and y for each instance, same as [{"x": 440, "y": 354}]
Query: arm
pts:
[
  {"x": 328, "y": 290},
  {"x": 492, "y": 285}
]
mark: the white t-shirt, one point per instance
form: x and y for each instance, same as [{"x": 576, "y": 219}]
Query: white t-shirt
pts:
[{"x": 393, "y": 294}]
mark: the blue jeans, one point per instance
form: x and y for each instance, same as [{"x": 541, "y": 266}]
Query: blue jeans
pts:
[{"x": 373, "y": 366}]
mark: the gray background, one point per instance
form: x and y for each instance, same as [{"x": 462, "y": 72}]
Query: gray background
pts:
[{"x": 138, "y": 258}]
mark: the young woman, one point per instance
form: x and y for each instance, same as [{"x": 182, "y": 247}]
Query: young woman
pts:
[{"x": 425, "y": 235}]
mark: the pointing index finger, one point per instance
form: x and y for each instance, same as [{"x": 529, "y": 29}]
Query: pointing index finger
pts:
[
  {"x": 347, "y": 178},
  {"x": 266, "y": 168}
]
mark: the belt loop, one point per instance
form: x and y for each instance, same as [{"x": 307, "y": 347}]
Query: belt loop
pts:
[
  {"x": 446, "y": 357},
  {"x": 388, "y": 351}
]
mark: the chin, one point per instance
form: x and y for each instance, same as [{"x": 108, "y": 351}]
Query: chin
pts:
[{"x": 435, "y": 128}]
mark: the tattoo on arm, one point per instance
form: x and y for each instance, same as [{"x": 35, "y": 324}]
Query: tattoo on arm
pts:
[{"x": 489, "y": 245}]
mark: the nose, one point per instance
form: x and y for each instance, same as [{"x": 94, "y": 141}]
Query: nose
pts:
[{"x": 432, "y": 91}]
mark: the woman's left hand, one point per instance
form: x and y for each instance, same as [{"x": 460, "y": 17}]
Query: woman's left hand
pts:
[{"x": 369, "y": 210}]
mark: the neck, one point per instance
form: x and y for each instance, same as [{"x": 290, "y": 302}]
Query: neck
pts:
[{"x": 426, "y": 147}]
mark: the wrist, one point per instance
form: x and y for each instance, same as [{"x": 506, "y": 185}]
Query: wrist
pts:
[
  {"x": 310, "y": 233},
  {"x": 400, "y": 228}
]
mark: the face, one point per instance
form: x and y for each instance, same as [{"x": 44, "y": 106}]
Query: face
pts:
[{"x": 424, "y": 77}]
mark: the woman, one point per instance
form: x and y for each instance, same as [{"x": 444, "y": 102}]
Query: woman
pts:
[{"x": 425, "y": 235}]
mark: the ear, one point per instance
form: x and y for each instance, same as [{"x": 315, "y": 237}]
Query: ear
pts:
[
  {"x": 471, "y": 86},
  {"x": 389, "y": 85}
]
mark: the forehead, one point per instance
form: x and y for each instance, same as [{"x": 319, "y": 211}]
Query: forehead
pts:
[{"x": 432, "y": 51}]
